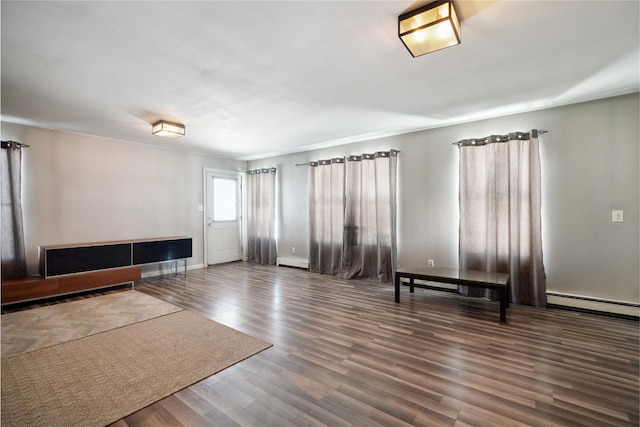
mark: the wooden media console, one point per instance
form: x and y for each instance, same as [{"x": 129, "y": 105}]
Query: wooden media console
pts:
[
  {"x": 37, "y": 287},
  {"x": 79, "y": 267}
]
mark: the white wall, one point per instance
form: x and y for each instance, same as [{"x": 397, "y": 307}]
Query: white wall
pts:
[
  {"x": 79, "y": 188},
  {"x": 590, "y": 162}
]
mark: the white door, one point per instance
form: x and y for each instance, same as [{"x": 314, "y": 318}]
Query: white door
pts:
[{"x": 223, "y": 219}]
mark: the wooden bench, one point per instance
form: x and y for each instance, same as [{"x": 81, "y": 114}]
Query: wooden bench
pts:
[{"x": 477, "y": 279}]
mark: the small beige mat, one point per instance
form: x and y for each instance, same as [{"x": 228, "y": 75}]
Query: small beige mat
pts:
[
  {"x": 42, "y": 327},
  {"x": 102, "y": 378}
]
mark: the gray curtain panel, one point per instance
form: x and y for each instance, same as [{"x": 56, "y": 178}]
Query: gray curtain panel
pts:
[
  {"x": 352, "y": 216},
  {"x": 370, "y": 217},
  {"x": 326, "y": 215},
  {"x": 14, "y": 263},
  {"x": 261, "y": 216},
  {"x": 500, "y": 213}
]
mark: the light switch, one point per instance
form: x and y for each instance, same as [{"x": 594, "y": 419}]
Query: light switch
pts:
[
  {"x": 200, "y": 208},
  {"x": 617, "y": 216}
]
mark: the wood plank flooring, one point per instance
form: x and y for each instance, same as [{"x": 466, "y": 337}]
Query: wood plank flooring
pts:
[{"x": 344, "y": 354}]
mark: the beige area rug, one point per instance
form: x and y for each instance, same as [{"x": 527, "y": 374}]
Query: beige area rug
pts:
[
  {"x": 42, "y": 327},
  {"x": 104, "y": 377}
]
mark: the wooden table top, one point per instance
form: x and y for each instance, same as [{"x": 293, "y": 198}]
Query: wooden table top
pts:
[{"x": 110, "y": 242}]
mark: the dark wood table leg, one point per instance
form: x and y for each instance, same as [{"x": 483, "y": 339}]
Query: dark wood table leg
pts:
[
  {"x": 411, "y": 287},
  {"x": 397, "y": 283},
  {"x": 503, "y": 304}
]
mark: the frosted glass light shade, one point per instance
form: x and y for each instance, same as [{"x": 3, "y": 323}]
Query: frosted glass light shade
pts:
[
  {"x": 429, "y": 28},
  {"x": 169, "y": 130}
]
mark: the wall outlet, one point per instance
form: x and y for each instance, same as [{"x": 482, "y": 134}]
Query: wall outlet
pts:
[
  {"x": 430, "y": 263},
  {"x": 293, "y": 250},
  {"x": 617, "y": 216}
]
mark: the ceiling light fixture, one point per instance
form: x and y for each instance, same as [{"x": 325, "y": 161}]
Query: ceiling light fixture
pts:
[
  {"x": 170, "y": 130},
  {"x": 429, "y": 28}
]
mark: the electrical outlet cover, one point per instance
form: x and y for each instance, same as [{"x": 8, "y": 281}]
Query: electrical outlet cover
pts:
[{"x": 617, "y": 216}]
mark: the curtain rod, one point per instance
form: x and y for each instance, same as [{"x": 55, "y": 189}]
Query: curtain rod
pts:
[
  {"x": 496, "y": 138},
  {"x": 261, "y": 170},
  {"x": 334, "y": 160},
  {"x": 7, "y": 144},
  {"x": 346, "y": 157}
]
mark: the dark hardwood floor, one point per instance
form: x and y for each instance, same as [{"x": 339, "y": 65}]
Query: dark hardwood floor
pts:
[{"x": 344, "y": 354}]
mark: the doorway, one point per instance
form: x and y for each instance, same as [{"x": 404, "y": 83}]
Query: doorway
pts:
[{"x": 222, "y": 217}]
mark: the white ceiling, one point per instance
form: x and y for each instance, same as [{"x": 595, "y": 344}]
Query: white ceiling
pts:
[{"x": 256, "y": 79}]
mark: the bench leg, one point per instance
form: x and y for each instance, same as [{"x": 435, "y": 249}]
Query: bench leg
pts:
[
  {"x": 397, "y": 283},
  {"x": 411, "y": 287},
  {"x": 503, "y": 304}
]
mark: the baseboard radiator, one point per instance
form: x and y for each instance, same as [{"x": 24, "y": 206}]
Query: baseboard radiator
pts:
[
  {"x": 293, "y": 262},
  {"x": 593, "y": 304}
]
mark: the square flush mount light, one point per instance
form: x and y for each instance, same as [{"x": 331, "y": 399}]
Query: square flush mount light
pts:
[
  {"x": 170, "y": 130},
  {"x": 429, "y": 28}
]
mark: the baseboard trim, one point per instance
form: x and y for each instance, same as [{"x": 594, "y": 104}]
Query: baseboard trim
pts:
[
  {"x": 293, "y": 262},
  {"x": 592, "y": 304}
]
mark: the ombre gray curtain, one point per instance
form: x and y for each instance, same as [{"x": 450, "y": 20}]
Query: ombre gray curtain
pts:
[
  {"x": 370, "y": 216},
  {"x": 14, "y": 263},
  {"x": 326, "y": 215},
  {"x": 261, "y": 216},
  {"x": 500, "y": 213},
  {"x": 352, "y": 216}
]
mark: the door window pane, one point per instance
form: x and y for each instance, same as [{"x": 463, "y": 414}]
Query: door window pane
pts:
[{"x": 224, "y": 199}]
